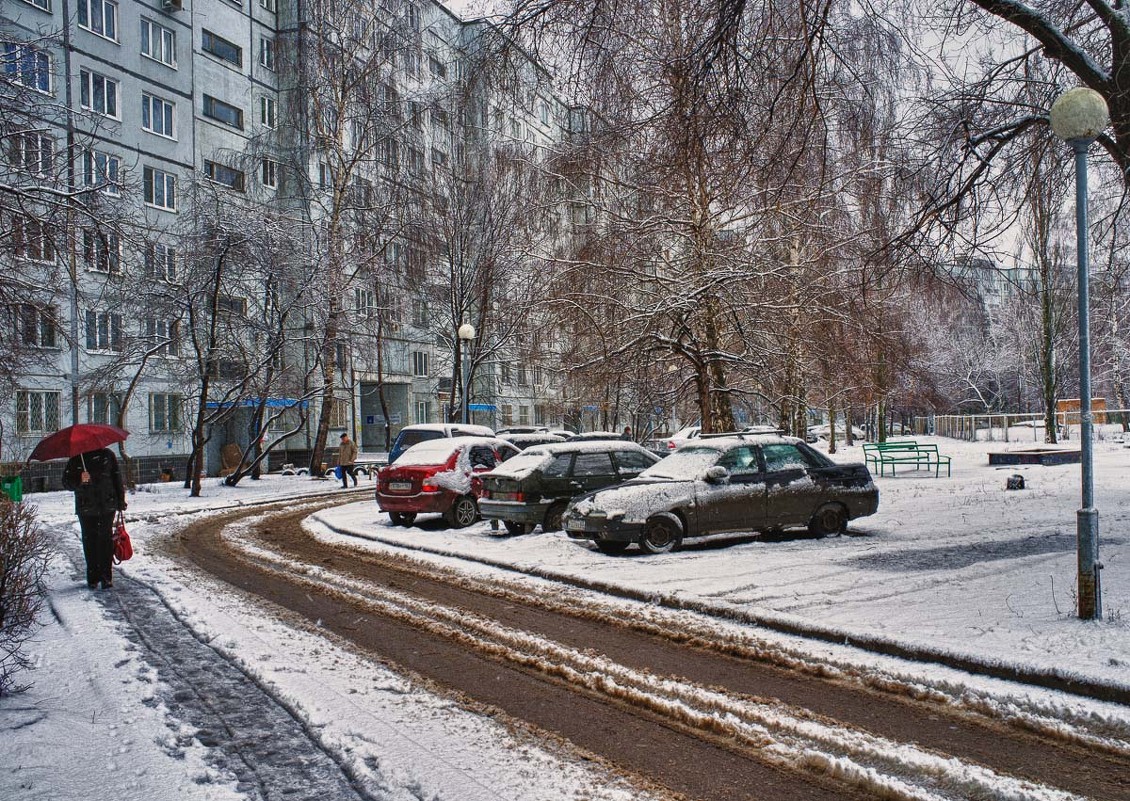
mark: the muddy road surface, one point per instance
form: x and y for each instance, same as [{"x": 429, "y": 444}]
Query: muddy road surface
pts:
[{"x": 675, "y": 704}]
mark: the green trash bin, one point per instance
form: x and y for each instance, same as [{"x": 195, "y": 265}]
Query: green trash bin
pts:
[{"x": 13, "y": 487}]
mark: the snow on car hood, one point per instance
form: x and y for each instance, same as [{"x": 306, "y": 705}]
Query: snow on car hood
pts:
[{"x": 636, "y": 500}]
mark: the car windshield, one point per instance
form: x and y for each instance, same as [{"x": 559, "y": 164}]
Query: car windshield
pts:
[{"x": 686, "y": 463}]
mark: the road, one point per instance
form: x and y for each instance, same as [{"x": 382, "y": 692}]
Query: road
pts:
[{"x": 673, "y": 704}]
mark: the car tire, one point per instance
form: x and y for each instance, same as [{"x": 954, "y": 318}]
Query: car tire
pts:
[
  {"x": 553, "y": 516},
  {"x": 612, "y": 548},
  {"x": 463, "y": 512},
  {"x": 831, "y": 518},
  {"x": 516, "y": 529},
  {"x": 402, "y": 518},
  {"x": 661, "y": 535}
]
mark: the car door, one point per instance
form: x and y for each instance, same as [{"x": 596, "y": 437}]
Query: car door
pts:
[
  {"x": 737, "y": 504},
  {"x": 555, "y": 480},
  {"x": 593, "y": 470},
  {"x": 483, "y": 459},
  {"x": 792, "y": 496}
]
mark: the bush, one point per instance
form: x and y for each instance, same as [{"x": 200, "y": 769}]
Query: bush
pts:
[{"x": 24, "y": 556}]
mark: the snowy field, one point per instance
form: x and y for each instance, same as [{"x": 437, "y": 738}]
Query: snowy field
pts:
[{"x": 957, "y": 564}]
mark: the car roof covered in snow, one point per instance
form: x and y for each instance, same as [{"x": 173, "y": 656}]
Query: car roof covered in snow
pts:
[{"x": 437, "y": 451}]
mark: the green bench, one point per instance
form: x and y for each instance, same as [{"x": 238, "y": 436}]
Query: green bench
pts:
[{"x": 879, "y": 455}]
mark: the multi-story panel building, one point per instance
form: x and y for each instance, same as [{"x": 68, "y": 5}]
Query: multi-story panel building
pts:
[{"x": 149, "y": 144}]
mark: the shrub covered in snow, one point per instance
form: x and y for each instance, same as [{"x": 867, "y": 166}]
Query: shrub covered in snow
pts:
[{"x": 24, "y": 555}]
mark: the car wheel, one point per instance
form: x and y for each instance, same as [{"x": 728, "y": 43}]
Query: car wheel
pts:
[
  {"x": 830, "y": 518},
  {"x": 553, "y": 515},
  {"x": 518, "y": 528},
  {"x": 661, "y": 535},
  {"x": 612, "y": 548},
  {"x": 463, "y": 512},
  {"x": 402, "y": 518}
]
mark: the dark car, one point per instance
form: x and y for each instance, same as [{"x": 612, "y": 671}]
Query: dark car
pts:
[
  {"x": 531, "y": 439},
  {"x": 739, "y": 483},
  {"x": 535, "y": 486},
  {"x": 440, "y": 476}
]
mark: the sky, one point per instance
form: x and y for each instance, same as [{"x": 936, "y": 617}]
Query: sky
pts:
[{"x": 958, "y": 565}]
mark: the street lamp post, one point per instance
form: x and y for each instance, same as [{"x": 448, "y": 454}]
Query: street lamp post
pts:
[
  {"x": 1077, "y": 117},
  {"x": 466, "y": 334}
]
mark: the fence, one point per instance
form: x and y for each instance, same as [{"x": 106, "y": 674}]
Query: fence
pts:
[{"x": 1019, "y": 427}]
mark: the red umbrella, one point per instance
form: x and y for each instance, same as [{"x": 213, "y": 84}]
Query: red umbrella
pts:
[{"x": 76, "y": 439}]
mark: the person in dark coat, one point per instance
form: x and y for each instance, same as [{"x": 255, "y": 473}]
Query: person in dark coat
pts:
[{"x": 96, "y": 481}]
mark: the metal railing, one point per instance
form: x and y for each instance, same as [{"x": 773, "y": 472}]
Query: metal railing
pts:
[{"x": 1018, "y": 427}]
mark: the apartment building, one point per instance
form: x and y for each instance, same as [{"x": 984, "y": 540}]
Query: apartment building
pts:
[{"x": 132, "y": 126}]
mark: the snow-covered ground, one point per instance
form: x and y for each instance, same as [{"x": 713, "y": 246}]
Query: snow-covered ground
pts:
[{"x": 958, "y": 565}]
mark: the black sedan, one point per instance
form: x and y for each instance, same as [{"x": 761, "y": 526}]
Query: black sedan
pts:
[{"x": 716, "y": 485}]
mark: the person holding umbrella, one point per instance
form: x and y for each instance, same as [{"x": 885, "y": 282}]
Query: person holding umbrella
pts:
[
  {"x": 92, "y": 474},
  {"x": 96, "y": 481}
]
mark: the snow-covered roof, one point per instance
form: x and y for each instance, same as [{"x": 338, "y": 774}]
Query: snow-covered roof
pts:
[
  {"x": 437, "y": 451},
  {"x": 593, "y": 445}
]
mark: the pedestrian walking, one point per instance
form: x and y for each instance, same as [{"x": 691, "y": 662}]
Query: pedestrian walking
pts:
[
  {"x": 347, "y": 460},
  {"x": 627, "y": 433},
  {"x": 96, "y": 481}
]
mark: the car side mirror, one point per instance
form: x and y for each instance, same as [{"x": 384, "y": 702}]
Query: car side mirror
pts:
[{"x": 716, "y": 475}]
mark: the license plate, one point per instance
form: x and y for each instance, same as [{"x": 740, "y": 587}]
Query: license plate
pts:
[
  {"x": 504, "y": 496},
  {"x": 575, "y": 525},
  {"x": 400, "y": 486}
]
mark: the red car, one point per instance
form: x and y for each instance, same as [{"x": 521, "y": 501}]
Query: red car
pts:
[{"x": 440, "y": 476}]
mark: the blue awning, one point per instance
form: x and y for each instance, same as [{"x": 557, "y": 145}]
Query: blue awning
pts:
[
  {"x": 481, "y": 407},
  {"x": 270, "y": 403}
]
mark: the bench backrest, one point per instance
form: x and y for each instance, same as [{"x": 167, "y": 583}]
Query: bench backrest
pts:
[{"x": 909, "y": 445}]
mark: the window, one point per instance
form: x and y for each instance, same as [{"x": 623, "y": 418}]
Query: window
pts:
[
  {"x": 325, "y": 175},
  {"x": 102, "y": 251},
  {"x": 539, "y": 415},
  {"x": 515, "y": 130},
  {"x": 364, "y": 301},
  {"x": 36, "y": 325},
  {"x": 162, "y": 336},
  {"x": 269, "y": 5},
  {"x": 412, "y": 14},
  {"x": 103, "y": 331},
  {"x": 222, "y": 48},
  {"x": 544, "y": 113},
  {"x": 231, "y": 305},
  {"x": 388, "y": 153},
  {"x": 523, "y": 380},
  {"x": 786, "y": 457},
  {"x": 160, "y": 262},
  {"x": 339, "y": 413},
  {"x": 157, "y": 116},
  {"x": 158, "y": 43},
  {"x": 420, "y": 313},
  {"x": 437, "y": 67},
  {"x": 593, "y": 464},
  {"x": 223, "y": 174},
  {"x": 102, "y": 171},
  {"x": 98, "y": 93},
  {"x": 523, "y": 415},
  {"x": 37, "y": 412},
  {"x": 160, "y": 189},
  {"x": 164, "y": 413},
  {"x": 504, "y": 372},
  {"x": 415, "y": 263},
  {"x": 439, "y": 158},
  {"x": 100, "y": 17},
  {"x": 423, "y": 412},
  {"x": 33, "y": 153},
  {"x": 559, "y": 466},
  {"x": 103, "y": 407},
  {"x": 507, "y": 414},
  {"x": 267, "y": 53},
  {"x": 41, "y": 4},
  {"x": 31, "y": 239},
  {"x": 632, "y": 461},
  {"x": 420, "y": 363},
  {"x": 269, "y": 172},
  {"x": 28, "y": 65},
  {"x": 268, "y": 112},
  {"x": 415, "y": 160},
  {"x": 223, "y": 112}
]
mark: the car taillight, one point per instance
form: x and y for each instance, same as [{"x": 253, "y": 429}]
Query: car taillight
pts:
[
  {"x": 428, "y": 486},
  {"x": 670, "y": 446}
]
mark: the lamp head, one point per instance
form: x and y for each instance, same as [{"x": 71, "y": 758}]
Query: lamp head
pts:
[
  {"x": 466, "y": 332},
  {"x": 1079, "y": 114}
]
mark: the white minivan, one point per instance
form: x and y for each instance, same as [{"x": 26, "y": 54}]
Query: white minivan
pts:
[{"x": 421, "y": 432}]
